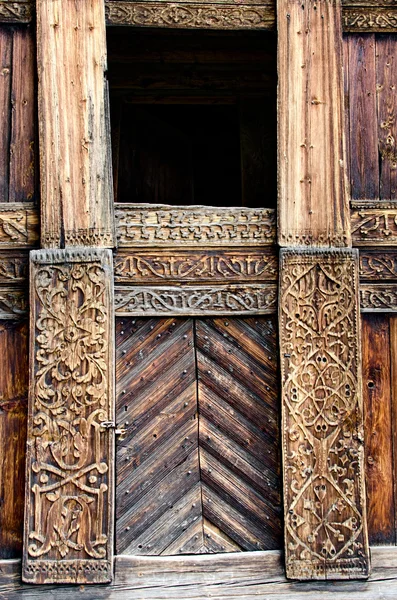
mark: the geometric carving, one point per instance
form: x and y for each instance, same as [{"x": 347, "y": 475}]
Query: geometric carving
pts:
[
  {"x": 139, "y": 225},
  {"x": 16, "y": 11},
  {"x": 373, "y": 223},
  {"x": 19, "y": 225},
  {"x": 142, "y": 267},
  {"x": 186, "y": 15},
  {"x": 68, "y": 504},
  {"x": 324, "y": 499},
  {"x": 195, "y": 301}
]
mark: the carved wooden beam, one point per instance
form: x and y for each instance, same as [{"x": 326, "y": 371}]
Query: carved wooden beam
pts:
[
  {"x": 374, "y": 223},
  {"x": 69, "y": 476},
  {"x": 322, "y": 421},
  {"x": 16, "y": 11},
  {"x": 19, "y": 225}
]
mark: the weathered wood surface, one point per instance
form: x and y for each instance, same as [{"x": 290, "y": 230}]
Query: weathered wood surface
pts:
[
  {"x": 17, "y": 114},
  {"x": 322, "y": 419},
  {"x": 16, "y": 11},
  {"x": 393, "y": 375},
  {"x": 13, "y": 303},
  {"x": 19, "y": 225},
  {"x": 76, "y": 184},
  {"x": 239, "y": 576},
  {"x": 13, "y": 418},
  {"x": 373, "y": 223},
  {"x": 196, "y": 471},
  {"x": 69, "y": 476},
  {"x": 378, "y": 426},
  {"x": 313, "y": 202},
  {"x": 151, "y": 225}
]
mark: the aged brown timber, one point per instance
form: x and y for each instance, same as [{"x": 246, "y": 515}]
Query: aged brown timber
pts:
[
  {"x": 322, "y": 420},
  {"x": 313, "y": 208},
  {"x": 374, "y": 223},
  {"x": 76, "y": 187},
  {"x": 69, "y": 478}
]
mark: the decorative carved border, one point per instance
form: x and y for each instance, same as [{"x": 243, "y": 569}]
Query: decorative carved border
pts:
[
  {"x": 19, "y": 225},
  {"x": 372, "y": 19},
  {"x": 185, "y": 15},
  {"x": 378, "y": 297},
  {"x": 69, "y": 477},
  {"x": 322, "y": 420},
  {"x": 196, "y": 301},
  {"x": 378, "y": 266},
  {"x": 139, "y": 267},
  {"x": 16, "y": 11},
  {"x": 13, "y": 303},
  {"x": 151, "y": 225},
  {"x": 13, "y": 267},
  {"x": 373, "y": 223}
]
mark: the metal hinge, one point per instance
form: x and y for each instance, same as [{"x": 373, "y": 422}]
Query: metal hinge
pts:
[{"x": 111, "y": 425}]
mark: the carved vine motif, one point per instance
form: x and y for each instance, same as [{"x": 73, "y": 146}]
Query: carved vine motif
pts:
[
  {"x": 378, "y": 298},
  {"x": 250, "y": 299},
  {"x": 17, "y": 12},
  {"x": 138, "y": 226},
  {"x": 13, "y": 269},
  {"x": 18, "y": 225},
  {"x": 322, "y": 415},
  {"x": 374, "y": 224},
  {"x": 150, "y": 267},
  {"x": 13, "y": 303},
  {"x": 70, "y": 406},
  {"x": 378, "y": 266},
  {"x": 187, "y": 15},
  {"x": 367, "y": 19}
]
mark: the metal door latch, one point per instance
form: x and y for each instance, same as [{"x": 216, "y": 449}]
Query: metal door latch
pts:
[{"x": 111, "y": 425}]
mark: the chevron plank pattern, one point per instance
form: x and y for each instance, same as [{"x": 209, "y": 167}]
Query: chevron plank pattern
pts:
[{"x": 198, "y": 468}]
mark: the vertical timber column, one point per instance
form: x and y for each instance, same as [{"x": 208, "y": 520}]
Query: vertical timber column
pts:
[
  {"x": 322, "y": 420},
  {"x": 68, "y": 529}
]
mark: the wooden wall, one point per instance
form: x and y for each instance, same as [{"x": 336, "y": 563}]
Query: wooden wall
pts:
[{"x": 17, "y": 114}]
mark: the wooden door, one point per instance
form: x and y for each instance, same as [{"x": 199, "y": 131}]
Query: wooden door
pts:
[{"x": 198, "y": 470}]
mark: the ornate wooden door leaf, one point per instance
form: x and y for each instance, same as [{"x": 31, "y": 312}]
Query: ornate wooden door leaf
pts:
[{"x": 198, "y": 470}]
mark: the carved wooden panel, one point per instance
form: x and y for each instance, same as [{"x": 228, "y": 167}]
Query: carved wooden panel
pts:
[
  {"x": 380, "y": 297},
  {"x": 378, "y": 265},
  {"x": 13, "y": 303},
  {"x": 198, "y": 266},
  {"x": 13, "y": 267},
  {"x": 153, "y": 225},
  {"x": 322, "y": 420},
  {"x": 196, "y": 300},
  {"x": 16, "y": 11},
  {"x": 19, "y": 225},
  {"x": 69, "y": 479},
  {"x": 374, "y": 223},
  {"x": 380, "y": 17}
]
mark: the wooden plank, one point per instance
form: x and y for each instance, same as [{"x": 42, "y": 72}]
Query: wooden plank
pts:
[
  {"x": 6, "y": 36},
  {"x": 322, "y": 419},
  {"x": 69, "y": 467},
  {"x": 195, "y": 266},
  {"x": 379, "y": 473},
  {"x": 13, "y": 418},
  {"x": 393, "y": 360},
  {"x": 22, "y": 142},
  {"x": 313, "y": 201},
  {"x": 246, "y": 299},
  {"x": 386, "y": 82},
  {"x": 76, "y": 185},
  {"x": 363, "y": 135}
]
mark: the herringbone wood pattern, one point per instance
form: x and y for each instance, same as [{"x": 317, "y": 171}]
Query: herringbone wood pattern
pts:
[{"x": 198, "y": 469}]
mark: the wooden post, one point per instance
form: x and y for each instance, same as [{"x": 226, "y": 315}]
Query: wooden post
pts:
[
  {"x": 322, "y": 421},
  {"x": 68, "y": 534}
]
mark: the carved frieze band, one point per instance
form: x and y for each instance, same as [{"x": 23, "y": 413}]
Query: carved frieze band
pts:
[
  {"x": 370, "y": 19},
  {"x": 378, "y": 298},
  {"x": 19, "y": 225},
  {"x": 373, "y": 224},
  {"x": 322, "y": 420},
  {"x": 139, "y": 267},
  {"x": 139, "y": 225},
  {"x": 196, "y": 301},
  {"x": 69, "y": 490},
  {"x": 16, "y": 11}
]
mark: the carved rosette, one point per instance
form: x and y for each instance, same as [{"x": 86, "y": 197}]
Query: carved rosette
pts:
[
  {"x": 68, "y": 523},
  {"x": 322, "y": 419}
]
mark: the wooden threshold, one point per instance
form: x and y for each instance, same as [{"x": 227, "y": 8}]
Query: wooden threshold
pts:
[{"x": 242, "y": 576}]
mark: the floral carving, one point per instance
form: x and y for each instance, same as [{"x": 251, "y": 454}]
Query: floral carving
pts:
[
  {"x": 18, "y": 225},
  {"x": 322, "y": 415},
  {"x": 378, "y": 298},
  {"x": 70, "y": 407}
]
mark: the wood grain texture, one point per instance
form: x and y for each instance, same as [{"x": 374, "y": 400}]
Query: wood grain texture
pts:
[
  {"x": 386, "y": 82},
  {"x": 363, "y": 136},
  {"x": 6, "y": 36},
  {"x": 393, "y": 362},
  {"x": 13, "y": 418},
  {"x": 313, "y": 202},
  {"x": 378, "y": 427},
  {"x": 197, "y": 468},
  {"x": 238, "y": 576},
  {"x": 322, "y": 419},
  {"x": 76, "y": 185},
  {"x": 69, "y": 467}
]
